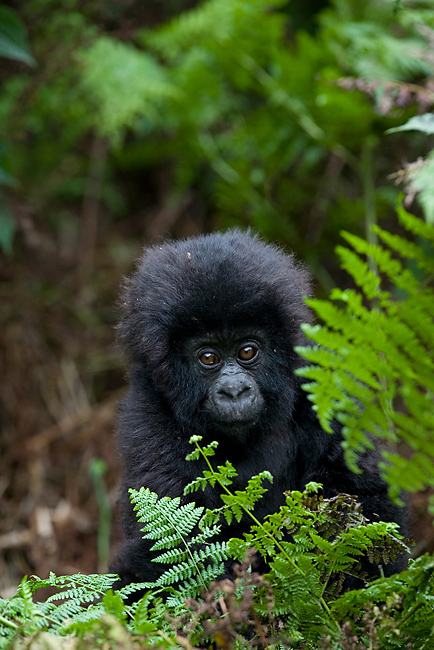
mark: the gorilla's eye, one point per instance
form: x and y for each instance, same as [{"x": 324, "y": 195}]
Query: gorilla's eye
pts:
[
  {"x": 248, "y": 352},
  {"x": 209, "y": 358}
]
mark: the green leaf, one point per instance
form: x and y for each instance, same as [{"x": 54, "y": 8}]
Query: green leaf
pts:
[
  {"x": 367, "y": 359},
  {"x": 113, "y": 603},
  {"x": 7, "y": 228},
  {"x": 423, "y": 184},
  {"x": 13, "y": 42},
  {"x": 424, "y": 123},
  {"x": 6, "y": 179},
  {"x": 124, "y": 83}
]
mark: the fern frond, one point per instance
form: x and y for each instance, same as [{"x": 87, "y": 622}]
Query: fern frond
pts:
[
  {"x": 415, "y": 225},
  {"x": 215, "y": 20},
  {"x": 81, "y": 621},
  {"x": 367, "y": 360},
  {"x": 165, "y": 517},
  {"x": 358, "y": 269},
  {"x": 406, "y": 249},
  {"x": 142, "y": 87},
  {"x": 178, "y": 531},
  {"x": 132, "y": 588}
]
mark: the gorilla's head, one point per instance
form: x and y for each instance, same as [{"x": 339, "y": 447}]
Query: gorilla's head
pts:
[{"x": 210, "y": 325}]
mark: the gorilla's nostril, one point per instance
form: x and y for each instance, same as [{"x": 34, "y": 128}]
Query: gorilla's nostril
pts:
[{"x": 234, "y": 392}]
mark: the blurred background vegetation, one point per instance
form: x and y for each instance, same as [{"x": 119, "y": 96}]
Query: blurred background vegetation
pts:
[{"x": 123, "y": 122}]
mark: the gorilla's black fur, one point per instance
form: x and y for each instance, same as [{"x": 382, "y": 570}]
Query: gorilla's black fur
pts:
[{"x": 191, "y": 312}]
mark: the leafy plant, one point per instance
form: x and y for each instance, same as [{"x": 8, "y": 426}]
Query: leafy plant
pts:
[
  {"x": 13, "y": 45},
  {"x": 238, "y": 110},
  {"x": 21, "y": 614},
  {"x": 373, "y": 366},
  {"x": 310, "y": 545},
  {"x": 418, "y": 175},
  {"x": 194, "y": 559},
  {"x": 13, "y": 38}
]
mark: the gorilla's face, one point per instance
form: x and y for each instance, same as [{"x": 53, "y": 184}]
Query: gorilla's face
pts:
[
  {"x": 231, "y": 370},
  {"x": 210, "y": 328}
]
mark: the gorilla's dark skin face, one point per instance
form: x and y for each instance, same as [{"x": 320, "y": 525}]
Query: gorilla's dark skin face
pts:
[
  {"x": 209, "y": 327},
  {"x": 230, "y": 369}
]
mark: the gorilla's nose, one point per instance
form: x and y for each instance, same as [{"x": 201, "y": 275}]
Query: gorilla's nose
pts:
[{"x": 236, "y": 389}]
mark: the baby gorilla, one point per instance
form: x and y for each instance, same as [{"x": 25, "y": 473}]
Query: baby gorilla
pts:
[{"x": 209, "y": 327}]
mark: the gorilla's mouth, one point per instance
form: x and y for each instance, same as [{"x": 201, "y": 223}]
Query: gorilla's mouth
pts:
[{"x": 235, "y": 426}]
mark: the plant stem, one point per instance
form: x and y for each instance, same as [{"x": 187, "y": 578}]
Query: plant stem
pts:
[
  {"x": 410, "y": 613},
  {"x": 259, "y": 524},
  {"x": 9, "y": 623},
  {"x": 368, "y": 182}
]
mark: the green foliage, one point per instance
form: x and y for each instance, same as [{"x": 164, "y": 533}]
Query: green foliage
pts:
[
  {"x": 373, "y": 366},
  {"x": 424, "y": 123},
  {"x": 419, "y": 175},
  {"x": 79, "y": 594},
  {"x": 13, "y": 45},
  {"x": 310, "y": 545},
  {"x": 235, "y": 504},
  {"x": 385, "y": 600},
  {"x": 97, "y": 469},
  {"x": 123, "y": 84},
  {"x": 421, "y": 183},
  {"x": 233, "y": 105},
  {"x": 264, "y": 115},
  {"x": 7, "y": 226},
  {"x": 362, "y": 41},
  {"x": 194, "y": 560},
  {"x": 13, "y": 41}
]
